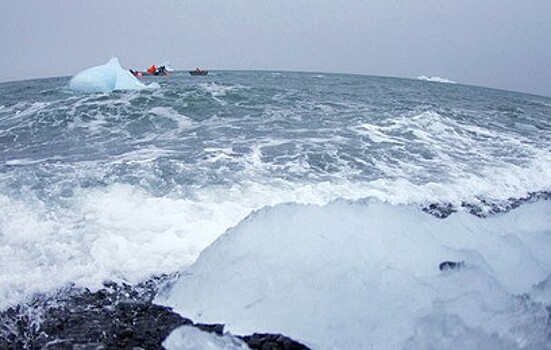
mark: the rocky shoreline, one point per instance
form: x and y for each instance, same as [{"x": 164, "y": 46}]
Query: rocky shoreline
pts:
[
  {"x": 118, "y": 316},
  {"x": 482, "y": 207}
]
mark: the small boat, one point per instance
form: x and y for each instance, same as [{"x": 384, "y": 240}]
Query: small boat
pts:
[
  {"x": 151, "y": 71},
  {"x": 145, "y": 74},
  {"x": 198, "y": 71}
]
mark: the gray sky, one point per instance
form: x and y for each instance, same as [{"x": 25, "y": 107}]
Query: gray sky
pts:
[{"x": 496, "y": 43}]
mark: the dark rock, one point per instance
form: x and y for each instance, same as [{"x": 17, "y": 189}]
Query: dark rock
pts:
[
  {"x": 259, "y": 341},
  {"x": 211, "y": 328},
  {"x": 482, "y": 207},
  {"x": 451, "y": 265},
  {"x": 440, "y": 211},
  {"x": 119, "y": 316}
]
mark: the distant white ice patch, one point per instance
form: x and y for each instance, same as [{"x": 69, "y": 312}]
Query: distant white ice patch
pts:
[
  {"x": 435, "y": 79},
  {"x": 105, "y": 78}
]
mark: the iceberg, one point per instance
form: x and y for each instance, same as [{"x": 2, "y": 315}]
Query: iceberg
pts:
[
  {"x": 435, "y": 79},
  {"x": 105, "y": 78}
]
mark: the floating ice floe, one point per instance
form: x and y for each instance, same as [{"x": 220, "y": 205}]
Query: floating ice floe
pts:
[
  {"x": 435, "y": 79},
  {"x": 105, "y": 78}
]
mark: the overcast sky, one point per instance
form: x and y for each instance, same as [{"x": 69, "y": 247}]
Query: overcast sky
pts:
[{"x": 496, "y": 43}]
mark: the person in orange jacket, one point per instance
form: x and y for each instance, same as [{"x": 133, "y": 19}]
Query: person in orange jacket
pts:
[{"x": 151, "y": 69}]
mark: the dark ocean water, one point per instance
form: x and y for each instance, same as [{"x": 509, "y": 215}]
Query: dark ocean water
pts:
[{"x": 128, "y": 184}]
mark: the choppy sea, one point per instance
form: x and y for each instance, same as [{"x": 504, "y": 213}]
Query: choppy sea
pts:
[{"x": 323, "y": 194}]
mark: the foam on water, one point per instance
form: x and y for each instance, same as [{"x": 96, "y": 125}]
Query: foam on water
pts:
[
  {"x": 168, "y": 112},
  {"x": 124, "y": 232},
  {"x": 366, "y": 275},
  {"x": 446, "y": 146},
  {"x": 218, "y": 90},
  {"x": 120, "y": 232}
]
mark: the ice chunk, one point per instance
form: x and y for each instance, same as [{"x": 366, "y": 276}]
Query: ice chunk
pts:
[
  {"x": 105, "y": 78},
  {"x": 188, "y": 337},
  {"x": 435, "y": 79},
  {"x": 449, "y": 332},
  {"x": 369, "y": 275}
]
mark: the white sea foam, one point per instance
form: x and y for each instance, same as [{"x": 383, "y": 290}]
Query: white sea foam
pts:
[
  {"x": 454, "y": 149},
  {"x": 375, "y": 133},
  {"x": 332, "y": 276},
  {"x": 27, "y": 161},
  {"x": 219, "y": 154},
  {"x": 169, "y": 112},
  {"x": 21, "y": 114},
  {"x": 30, "y": 110},
  {"x": 217, "y": 90},
  {"x": 123, "y": 232},
  {"x": 144, "y": 155},
  {"x": 119, "y": 232}
]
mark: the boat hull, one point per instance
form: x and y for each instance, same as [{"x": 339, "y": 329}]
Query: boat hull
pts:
[{"x": 202, "y": 72}]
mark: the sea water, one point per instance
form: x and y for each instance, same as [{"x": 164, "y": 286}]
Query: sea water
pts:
[{"x": 312, "y": 187}]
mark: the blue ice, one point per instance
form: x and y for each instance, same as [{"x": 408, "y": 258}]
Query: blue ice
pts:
[{"x": 105, "y": 78}]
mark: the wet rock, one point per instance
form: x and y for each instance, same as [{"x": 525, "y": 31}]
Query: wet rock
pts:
[
  {"x": 439, "y": 210},
  {"x": 451, "y": 265},
  {"x": 482, "y": 207},
  {"x": 119, "y": 316},
  {"x": 211, "y": 328},
  {"x": 272, "y": 342}
]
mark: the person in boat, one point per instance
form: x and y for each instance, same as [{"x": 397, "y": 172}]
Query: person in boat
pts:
[
  {"x": 161, "y": 70},
  {"x": 151, "y": 70},
  {"x": 197, "y": 69}
]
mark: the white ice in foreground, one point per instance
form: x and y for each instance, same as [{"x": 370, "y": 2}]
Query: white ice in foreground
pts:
[
  {"x": 366, "y": 275},
  {"x": 191, "y": 338},
  {"x": 435, "y": 79},
  {"x": 105, "y": 78}
]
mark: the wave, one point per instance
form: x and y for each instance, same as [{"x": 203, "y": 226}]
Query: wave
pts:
[
  {"x": 377, "y": 276},
  {"x": 88, "y": 227}
]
